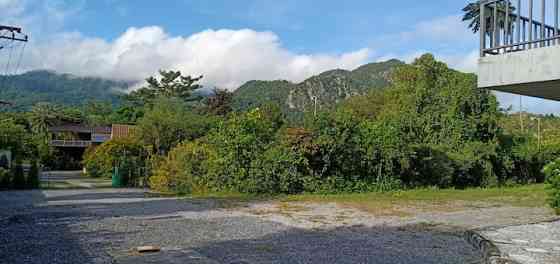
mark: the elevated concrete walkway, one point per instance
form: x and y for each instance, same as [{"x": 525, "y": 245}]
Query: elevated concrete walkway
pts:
[{"x": 534, "y": 72}]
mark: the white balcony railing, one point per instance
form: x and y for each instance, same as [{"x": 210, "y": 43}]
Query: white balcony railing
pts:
[
  {"x": 510, "y": 26},
  {"x": 71, "y": 143}
]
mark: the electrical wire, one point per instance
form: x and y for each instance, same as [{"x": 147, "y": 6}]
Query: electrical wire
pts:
[
  {"x": 20, "y": 57},
  {"x": 6, "y": 72}
]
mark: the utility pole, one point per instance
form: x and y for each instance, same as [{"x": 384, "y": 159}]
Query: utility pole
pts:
[
  {"x": 314, "y": 98},
  {"x": 539, "y": 132},
  {"x": 521, "y": 113},
  {"x": 11, "y": 34}
]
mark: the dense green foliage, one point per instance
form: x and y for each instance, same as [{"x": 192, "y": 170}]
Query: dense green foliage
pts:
[
  {"x": 552, "y": 172},
  {"x": 169, "y": 122},
  {"x": 170, "y": 84},
  {"x": 430, "y": 127},
  {"x": 382, "y": 127},
  {"x": 126, "y": 153}
]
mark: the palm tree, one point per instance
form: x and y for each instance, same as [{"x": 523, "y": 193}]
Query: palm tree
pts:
[
  {"x": 45, "y": 115},
  {"x": 472, "y": 14}
]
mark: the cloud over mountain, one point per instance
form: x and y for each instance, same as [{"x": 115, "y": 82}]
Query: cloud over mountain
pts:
[{"x": 227, "y": 58}]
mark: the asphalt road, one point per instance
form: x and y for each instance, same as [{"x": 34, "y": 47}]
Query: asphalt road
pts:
[{"x": 103, "y": 225}]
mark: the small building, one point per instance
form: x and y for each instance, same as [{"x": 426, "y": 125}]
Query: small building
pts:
[
  {"x": 72, "y": 140},
  {"x": 78, "y": 136},
  {"x": 82, "y": 136}
]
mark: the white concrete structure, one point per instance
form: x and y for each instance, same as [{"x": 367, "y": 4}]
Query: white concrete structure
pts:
[
  {"x": 520, "y": 47},
  {"x": 534, "y": 72}
]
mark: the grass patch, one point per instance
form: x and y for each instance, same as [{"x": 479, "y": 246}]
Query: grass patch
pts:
[{"x": 396, "y": 203}]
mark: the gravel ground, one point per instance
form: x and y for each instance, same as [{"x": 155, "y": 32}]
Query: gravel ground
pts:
[
  {"x": 101, "y": 226},
  {"x": 528, "y": 244}
]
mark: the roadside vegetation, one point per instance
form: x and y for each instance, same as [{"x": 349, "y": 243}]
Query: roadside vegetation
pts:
[{"x": 429, "y": 129}]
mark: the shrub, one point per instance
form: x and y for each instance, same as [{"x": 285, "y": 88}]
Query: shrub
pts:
[
  {"x": 278, "y": 170},
  {"x": 5, "y": 178},
  {"x": 238, "y": 142},
  {"x": 429, "y": 166},
  {"x": 552, "y": 172},
  {"x": 185, "y": 169},
  {"x": 127, "y": 153}
]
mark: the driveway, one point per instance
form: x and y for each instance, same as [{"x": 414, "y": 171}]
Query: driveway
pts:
[{"x": 103, "y": 225}]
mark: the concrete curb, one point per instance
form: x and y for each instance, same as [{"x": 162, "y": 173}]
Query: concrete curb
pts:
[{"x": 490, "y": 252}]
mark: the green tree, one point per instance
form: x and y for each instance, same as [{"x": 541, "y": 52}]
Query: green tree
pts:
[
  {"x": 169, "y": 122},
  {"x": 441, "y": 109},
  {"x": 238, "y": 142},
  {"x": 14, "y": 137},
  {"x": 219, "y": 103},
  {"x": 170, "y": 84},
  {"x": 98, "y": 113}
]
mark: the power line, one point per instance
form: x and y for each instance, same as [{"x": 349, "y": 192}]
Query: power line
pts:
[
  {"x": 20, "y": 57},
  {"x": 11, "y": 35}
]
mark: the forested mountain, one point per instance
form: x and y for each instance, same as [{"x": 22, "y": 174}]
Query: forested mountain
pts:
[
  {"x": 330, "y": 88},
  {"x": 27, "y": 89}
]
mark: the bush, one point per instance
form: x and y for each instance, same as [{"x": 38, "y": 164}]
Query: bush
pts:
[
  {"x": 185, "y": 169},
  {"x": 238, "y": 142},
  {"x": 552, "y": 172},
  {"x": 278, "y": 170},
  {"x": 5, "y": 179},
  {"x": 127, "y": 153}
]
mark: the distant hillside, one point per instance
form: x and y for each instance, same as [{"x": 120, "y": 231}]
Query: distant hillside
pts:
[
  {"x": 32, "y": 87},
  {"x": 329, "y": 87}
]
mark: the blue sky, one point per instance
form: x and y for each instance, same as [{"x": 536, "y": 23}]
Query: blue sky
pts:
[
  {"x": 233, "y": 41},
  {"x": 325, "y": 26}
]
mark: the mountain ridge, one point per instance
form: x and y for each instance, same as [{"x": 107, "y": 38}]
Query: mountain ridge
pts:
[{"x": 328, "y": 87}]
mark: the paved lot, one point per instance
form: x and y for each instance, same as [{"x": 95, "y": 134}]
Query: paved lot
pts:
[
  {"x": 101, "y": 226},
  {"x": 71, "y": 179},
  {"x": 528, "y": 244}
]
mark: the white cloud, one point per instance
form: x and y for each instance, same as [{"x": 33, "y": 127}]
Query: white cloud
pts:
[
  {"x": 447, "y": 28},
  {"x": 226, "y": 58},
  {"x": 463, "y": 62}
]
